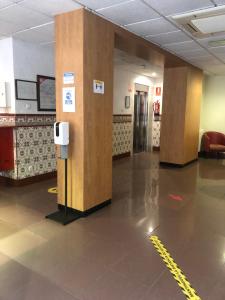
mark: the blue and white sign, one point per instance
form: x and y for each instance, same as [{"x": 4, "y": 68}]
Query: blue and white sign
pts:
[
  {"x": 68, "y": 78},
  {"x": 98, "y": 86},
  {"x": 69, "y": 99}
]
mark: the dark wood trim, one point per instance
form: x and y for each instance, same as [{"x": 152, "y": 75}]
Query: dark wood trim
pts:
[
  {"x": 124, "y": 115},
  {"x": 171, "y": 165},
  {"x": 21, "y": 182},
  {"x": 123, "y": 155},
  {"x": 17, "y": 126},
  {"x": 156, "y": 148},
  {"x": 211, "y": 154},
  {"x": 31, "y": 115}
]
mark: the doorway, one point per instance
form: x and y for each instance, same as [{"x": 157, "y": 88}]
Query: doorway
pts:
[{"x": 140, "y": 132}]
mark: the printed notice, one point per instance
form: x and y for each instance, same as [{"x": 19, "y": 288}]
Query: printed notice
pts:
[
  {"x": 69, "y": 104},
  {"x": 98, "y": 87},
  {"x": 68, "y": 78}
]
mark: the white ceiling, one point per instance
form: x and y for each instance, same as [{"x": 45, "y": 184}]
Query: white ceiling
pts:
[{"x": 32, "y": 20}]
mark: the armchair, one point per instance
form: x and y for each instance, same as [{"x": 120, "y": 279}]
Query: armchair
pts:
[{"x": 213, "y": 142}]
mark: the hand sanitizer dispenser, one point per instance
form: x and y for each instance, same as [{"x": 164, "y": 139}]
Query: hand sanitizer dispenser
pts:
[{"x": 61, "y": 133}]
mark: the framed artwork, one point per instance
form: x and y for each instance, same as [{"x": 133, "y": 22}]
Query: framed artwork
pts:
[
  {"x": 26, "y": 90},
  {"x": 46, "y": 93},
  {"x": 127, "y": 101}
]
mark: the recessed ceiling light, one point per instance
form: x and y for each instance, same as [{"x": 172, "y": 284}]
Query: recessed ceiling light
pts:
[
  {"x": 217, "y": 43},
  {"x": 154, "y": 74}
]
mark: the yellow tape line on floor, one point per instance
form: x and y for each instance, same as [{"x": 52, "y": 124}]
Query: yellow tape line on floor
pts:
[
  {"x": 53, "y": 190},
  {"x": 178, "y": 275}
]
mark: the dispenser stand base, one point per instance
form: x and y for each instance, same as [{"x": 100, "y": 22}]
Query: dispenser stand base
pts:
[{"x": 64, "y": 219}]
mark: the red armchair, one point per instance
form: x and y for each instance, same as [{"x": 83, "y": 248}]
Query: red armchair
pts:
[{"x": 213, "y": 142}]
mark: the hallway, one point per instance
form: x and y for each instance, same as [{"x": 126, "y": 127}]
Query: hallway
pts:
[{"x": 109, "y": 255}]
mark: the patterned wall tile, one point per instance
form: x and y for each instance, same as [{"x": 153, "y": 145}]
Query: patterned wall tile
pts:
[
  {"x": 122, "y": 134},
  {"x": 156, "y": 133},
  {"x": 34, "y": 149}
]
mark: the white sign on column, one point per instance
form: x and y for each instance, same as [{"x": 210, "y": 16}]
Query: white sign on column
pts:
[{"x": 69, "y": 104}]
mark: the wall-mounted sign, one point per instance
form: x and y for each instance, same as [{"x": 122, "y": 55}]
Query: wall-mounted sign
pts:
[
  {"x": 69, "y": 104},
  {"x": 127, "y": 101},
  {"x": 68, "y": 78},
  {"x": 98, "y": 87},
  {"x": 158, "y": 91}
]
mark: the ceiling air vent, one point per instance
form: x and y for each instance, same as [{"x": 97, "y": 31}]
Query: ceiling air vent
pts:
[{"x": 203, "y": 23}]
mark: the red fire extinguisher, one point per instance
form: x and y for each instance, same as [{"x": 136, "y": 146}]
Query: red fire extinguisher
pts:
[{"x": 156, "y": 108}]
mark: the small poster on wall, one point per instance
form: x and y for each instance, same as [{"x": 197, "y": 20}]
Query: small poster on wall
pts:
[
  {"x": 98, "y": 87},
  {"x": 68, "y": 78},
  {"x": 69, "y": 99}
]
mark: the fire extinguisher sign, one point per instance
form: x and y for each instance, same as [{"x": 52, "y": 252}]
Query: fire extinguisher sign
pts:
[{"x": 158, "y": 91}]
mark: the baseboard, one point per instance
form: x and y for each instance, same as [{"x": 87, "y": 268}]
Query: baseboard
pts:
[
  {"x": 217, "y": 155},
  {"x": 119, "y": 156},
  {"x": 156, "y": 148},
  {"x": 89, "y": 211},
  {"x": 172, "y": 165},
  {"x": 26, "y": 181}
]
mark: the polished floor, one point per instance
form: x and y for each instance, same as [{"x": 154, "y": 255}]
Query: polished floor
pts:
[{"x": 108, "y": 256}]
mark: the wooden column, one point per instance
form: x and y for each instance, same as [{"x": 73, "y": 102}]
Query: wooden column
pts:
[
  {"x": 84, "y": 45},
  {"x": 182, "y": 94}
]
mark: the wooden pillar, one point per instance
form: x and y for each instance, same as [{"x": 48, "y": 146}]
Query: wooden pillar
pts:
[
  {"x": 84, "y": 46},
  {"x": 182, "y": 94}
]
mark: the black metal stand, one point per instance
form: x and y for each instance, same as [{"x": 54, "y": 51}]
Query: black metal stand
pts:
[{"x": 65, "y": 215}]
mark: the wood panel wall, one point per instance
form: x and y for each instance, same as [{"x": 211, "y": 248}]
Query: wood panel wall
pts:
[
  {"x": 81, "y": 48},
  {"x": 84, "y": 45},
  {"x": 180, "y": 115}
]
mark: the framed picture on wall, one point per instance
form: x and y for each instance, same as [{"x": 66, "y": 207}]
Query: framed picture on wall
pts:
[
  {"x": 127, "y": 101},
  {"x": 46, "y": 93},
  {"x": 26, "y": 90}
]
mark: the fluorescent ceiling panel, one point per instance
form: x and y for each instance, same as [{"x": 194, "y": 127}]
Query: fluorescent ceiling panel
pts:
[
  {"x": 51, "y": 7},
  {"x": 169, "y": 38},
  {"x": 171, "y": 7},
  {"x": 152, "y": 27},
  {"x": 218, "y": 50},
  {"x": 23, "y": 16},
  {"x": 43, "y": 34},
  {"x": 96, "y": 4},
  {"x": 205, "y": 41},
  {"x": 184, "y": 46},
  {"x": 212, "y": 24},
  {"x": 129, "y": 12}
]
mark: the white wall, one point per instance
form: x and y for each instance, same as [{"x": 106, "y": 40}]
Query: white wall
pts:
[
  {"x": 30, "y": 60},
  {"x": 124, "y": 85},
  {"x": 213, "y": 104},
  {"x": 7, "y": 73}
]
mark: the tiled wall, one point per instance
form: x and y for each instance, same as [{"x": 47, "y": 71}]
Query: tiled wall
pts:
[
  {"x": 34, "y": 149},
  {"x": 34, "y": 152},
  {"x": 156, "y": 133},
  {"x": 122, "y": 134}
]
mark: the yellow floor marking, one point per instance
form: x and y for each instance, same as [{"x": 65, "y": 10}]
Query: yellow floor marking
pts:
[
  {"x": 178, "y": 275},
  {"x": 53, "y": 190}
]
